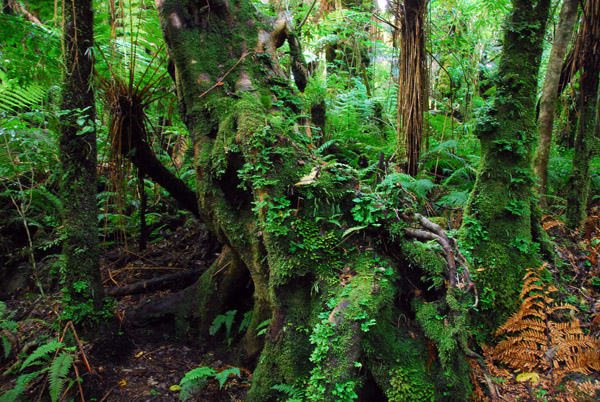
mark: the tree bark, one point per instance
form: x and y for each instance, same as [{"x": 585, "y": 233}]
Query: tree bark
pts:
[
  {"x": 412, "y": 80},
  {"x": 84, "y": 297},
  {"x": 588, "y": 52},
  {"x": 564, "y": 32},
  {"x": 500, "y": 222}
]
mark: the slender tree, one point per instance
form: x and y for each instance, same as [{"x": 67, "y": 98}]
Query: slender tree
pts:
[
  {"x": 564, "y": 32},
  {"x": 84, "y": 295},
  {"x": 500, "y": 226},
  {"x": 588, "y": 52},
  {"x": 412, "y": 80}
]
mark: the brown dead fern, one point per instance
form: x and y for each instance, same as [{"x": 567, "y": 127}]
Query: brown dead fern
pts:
[{"x": 544, "y": 335}]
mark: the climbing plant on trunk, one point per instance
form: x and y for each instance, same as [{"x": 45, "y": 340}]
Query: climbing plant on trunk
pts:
[
  {"x": 84, "y": 295},
  {"x": 500, "y": 227},
  {"x": 412, "y": 80}
]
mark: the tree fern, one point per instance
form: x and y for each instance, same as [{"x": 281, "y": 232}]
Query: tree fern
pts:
[
  {"x": 42, "y": 352},
  {"x": 58, "y": 374}
]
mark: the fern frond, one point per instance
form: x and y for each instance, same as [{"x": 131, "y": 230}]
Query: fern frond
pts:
[
  {"x": 20, "y": 386},
  {"x": 562, "y": 306},
  {"x": 199, "y": 373},
  {"x": 58, "y": 374},
  {"x": 42, "y": 352},
  {"x": 294, "y": 394},
  {"x": 537, "y": 341}
]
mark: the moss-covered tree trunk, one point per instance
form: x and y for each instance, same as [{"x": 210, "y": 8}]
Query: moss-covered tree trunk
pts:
[
  {"x": 500, "y": 226},
  {"x": 84, "y": 297},
  {"x": 588, "y": 52},
  {"x": 339, "y": 311}
]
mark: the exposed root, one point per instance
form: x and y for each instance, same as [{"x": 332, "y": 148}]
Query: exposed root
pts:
[{"x": 452, "y": 254}]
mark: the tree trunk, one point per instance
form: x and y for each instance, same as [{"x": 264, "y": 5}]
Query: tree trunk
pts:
[
  {"x": 84, "y": 298},
  {"x": 412, "y": 80},
  {"x": 588, "y": 52},
  {"x": 347, "y": 313},
  {"x": 500, "y": 226},
  {"x": 564, "y": 32}
]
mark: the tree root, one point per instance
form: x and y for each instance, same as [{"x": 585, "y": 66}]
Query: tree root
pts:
[{"x": 451, "y": 253}]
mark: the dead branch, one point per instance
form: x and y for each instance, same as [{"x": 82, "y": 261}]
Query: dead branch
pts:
[{"x": 153, "y": 284}]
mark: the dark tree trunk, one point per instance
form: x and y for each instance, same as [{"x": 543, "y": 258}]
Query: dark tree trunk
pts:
[
  {"x": 588, "y": 52},
  {"x": 84, "y": 298}
]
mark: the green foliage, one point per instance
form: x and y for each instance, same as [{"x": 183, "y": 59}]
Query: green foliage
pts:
[
  {"x": 58, "y": 374},
  {"x": 223, "y": 319},
  {"x": 41, "y": 354},
  {"x": 56, "y": 360},
  {"x": 224, "y": 375},
  {"x": 196, "y": 379},
  {"x": 293, "y": 394},
  {"x": 406, "y": 387}
]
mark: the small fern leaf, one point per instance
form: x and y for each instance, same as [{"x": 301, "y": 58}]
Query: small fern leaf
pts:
[
  {"x": 294, "y": 393},
  {"x": 58, "y": 374},
  {"x": 41, "y": 352},
  {"x": 223, "y": 375},
  {"x": 199, "y": 373}
]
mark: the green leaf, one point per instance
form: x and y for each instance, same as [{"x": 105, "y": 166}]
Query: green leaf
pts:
[
  {"x": 58, "y": 373},
  {"x": 223, "y": 375},
  {"x": 353, "y": 229},
  {"x": 41, "y": 352}
]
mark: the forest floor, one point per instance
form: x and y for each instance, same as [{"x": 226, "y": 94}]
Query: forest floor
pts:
[
  {"x": 143, "y": 363},
  {"x": 146, "y": 363}
]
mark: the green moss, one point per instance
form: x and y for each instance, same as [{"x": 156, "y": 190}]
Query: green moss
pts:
[{"x": 408, "y": 386}]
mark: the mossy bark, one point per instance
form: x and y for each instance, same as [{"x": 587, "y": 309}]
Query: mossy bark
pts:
[
  {"x": 499, "y": 223},
  {"x": 324, "y": 297},
  {"x": 84, "y": 297}
]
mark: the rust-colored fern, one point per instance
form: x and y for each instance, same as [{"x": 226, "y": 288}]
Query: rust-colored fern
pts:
[{"x": 544, "y": 336}]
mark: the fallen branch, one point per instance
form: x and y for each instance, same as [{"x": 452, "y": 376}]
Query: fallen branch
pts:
[{"x": 153, "y": 284}]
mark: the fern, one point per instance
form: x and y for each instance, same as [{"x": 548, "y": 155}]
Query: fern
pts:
[
  {"x": 454, "y": 199},
  {"x": 224, "y": 375},
  {"x": 218, "y": 322},
  {"x": 58, "y": 374},
  {"x": 537, "y": 340},
  {"x": 193, "y": 381},
  {"x": 42, "y": 352},
  {"x": 20, "y": 386},
  {"x": 294, "y": 394}
]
